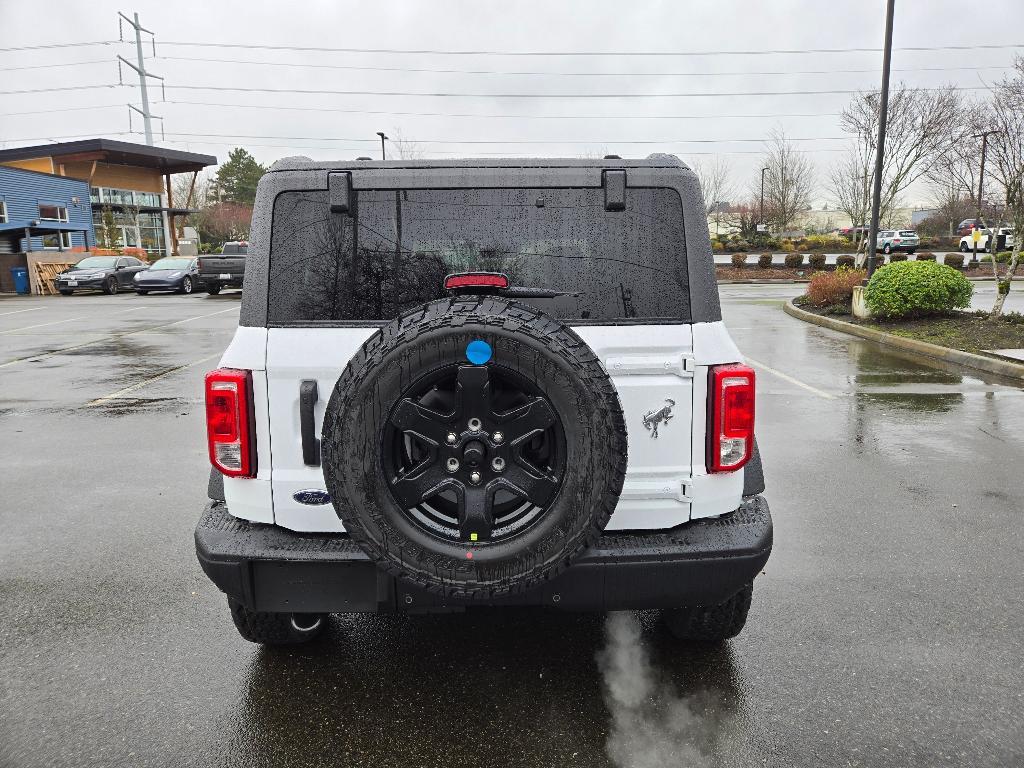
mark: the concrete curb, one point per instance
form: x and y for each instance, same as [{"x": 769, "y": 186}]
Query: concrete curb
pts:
[{"x": 934, "y": 351}]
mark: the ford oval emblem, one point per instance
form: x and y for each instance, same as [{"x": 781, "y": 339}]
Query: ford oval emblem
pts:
[{"x": 312, "y": 496}]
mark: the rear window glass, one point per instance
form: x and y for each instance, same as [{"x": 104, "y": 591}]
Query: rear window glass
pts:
[
  {"x": 393, "y": 252},
  {"x": 235, "y": 249}
]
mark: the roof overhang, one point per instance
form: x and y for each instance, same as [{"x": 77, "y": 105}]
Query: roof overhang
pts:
[
  {"x": 115, "y": 152},
  {"x": 36, "y": 226}
]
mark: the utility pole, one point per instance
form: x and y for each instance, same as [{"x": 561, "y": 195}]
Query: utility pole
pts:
[
  {"x": 382, "y": 137},
  {"x": 883, "y": 115},
  {"x": 981, "y": 190},
  {"x": 140, "y": 68}
]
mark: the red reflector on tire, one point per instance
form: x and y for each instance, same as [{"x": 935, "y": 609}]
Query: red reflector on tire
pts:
[{"x": 476, "y": 280}]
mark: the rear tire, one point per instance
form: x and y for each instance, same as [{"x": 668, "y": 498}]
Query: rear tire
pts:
[
  {"x": 66, "y": 291},
  {"x": 276, "y": 628},
  {"x": 213, "y": 290},
  {"x": 964, "y": 248},
  {"x": 710, "y": 625},
  {"x": 110, "y": 286}
]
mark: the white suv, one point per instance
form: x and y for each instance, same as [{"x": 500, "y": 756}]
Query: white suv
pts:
[
  {"x": 461, "y": 383},
  {"x": 967, "y": 241}
]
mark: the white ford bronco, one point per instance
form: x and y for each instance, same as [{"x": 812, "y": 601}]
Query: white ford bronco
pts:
[{"x": 464, "y": 383}]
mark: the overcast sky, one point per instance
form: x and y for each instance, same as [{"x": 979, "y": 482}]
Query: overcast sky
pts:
[{"x": 530, "y": 122}]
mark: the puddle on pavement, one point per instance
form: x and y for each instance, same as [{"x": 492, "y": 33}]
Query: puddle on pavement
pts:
[
  {"x": 915, "y": 402},
  {"x": 132, "y": 406}
]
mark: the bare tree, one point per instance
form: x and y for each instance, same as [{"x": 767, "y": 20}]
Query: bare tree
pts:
[
  {"x": 1006, "y": 148},
  {"x": 404, "y": 148},
  {"x": 850, "y": 182},
  {"x": 716, "y": 187},
  {"x": 917, "y": 135},
  {"x": 788, "y": 182}
]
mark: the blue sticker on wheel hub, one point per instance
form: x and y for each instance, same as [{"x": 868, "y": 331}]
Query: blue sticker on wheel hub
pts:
[{"x": 478, "y": 352}]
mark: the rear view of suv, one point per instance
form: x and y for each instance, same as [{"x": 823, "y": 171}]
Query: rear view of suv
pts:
[{"x": 463, "y": 383}]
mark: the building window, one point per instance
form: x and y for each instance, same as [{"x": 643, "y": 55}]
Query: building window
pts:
[
  {"x": 56, "y": 240},
  {"x": 53, "y": 212},
  {"x": 3, "y": 212}
]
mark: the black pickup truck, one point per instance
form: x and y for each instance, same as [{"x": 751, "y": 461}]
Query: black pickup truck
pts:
[{"x": 225, "y": 269}]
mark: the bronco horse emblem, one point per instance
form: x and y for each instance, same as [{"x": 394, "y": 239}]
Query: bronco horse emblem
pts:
[{"x": 661, "y": 416}]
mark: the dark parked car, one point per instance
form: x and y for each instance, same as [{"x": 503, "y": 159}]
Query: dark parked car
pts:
[
  {"x": 225, "y": 269},
  {"x": 967, "y": 226},
  {"x": 99, "y": 273},
  {"x": 175, "y": 273}
]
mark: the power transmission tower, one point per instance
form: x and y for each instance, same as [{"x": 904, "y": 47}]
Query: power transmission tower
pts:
[{"x": 143, "y": 75}]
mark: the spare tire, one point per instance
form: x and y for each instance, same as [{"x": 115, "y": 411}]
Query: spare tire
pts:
[{"x": 475, "y": 447}]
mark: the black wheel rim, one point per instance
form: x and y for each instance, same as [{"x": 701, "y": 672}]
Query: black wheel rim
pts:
[{"x": 474, "y": 453}]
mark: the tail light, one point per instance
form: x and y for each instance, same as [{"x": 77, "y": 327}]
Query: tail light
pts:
[
  {"x": 730, "y": 417},
  {"x": 229, "y": 427},
  {"x": 475, "y": 280}
]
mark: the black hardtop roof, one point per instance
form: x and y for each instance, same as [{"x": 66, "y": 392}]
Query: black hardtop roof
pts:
[{"x": 306, "y": 164}]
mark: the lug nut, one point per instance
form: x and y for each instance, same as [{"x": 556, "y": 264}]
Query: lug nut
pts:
[
  {"x": 497, "y": 437},
  {"x": 453, "y": 464},
  {"x": 474, "y": 477},
  {"x": 452, "y": 437},
  {"x": 474, "y": 425},
  {"x": 498, "y": 464}
]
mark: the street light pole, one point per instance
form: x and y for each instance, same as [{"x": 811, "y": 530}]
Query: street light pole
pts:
[
  {"x": 761, "y": 215},
  {"x": 883, "y": 114},
  {"x": 382, "y": 138},
  {"x": 981, "y": 189}
]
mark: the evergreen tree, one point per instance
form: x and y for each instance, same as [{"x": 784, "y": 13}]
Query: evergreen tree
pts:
[{"x": 237, "y": 178}]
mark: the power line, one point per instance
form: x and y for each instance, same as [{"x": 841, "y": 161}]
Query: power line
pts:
[
  {"x": 58, "y": 45},
  {"x": 360, "y": 68},
  {"x": 69, "y": 136},
  {"x": 65, "y": 64},
  {"x": 462, "y": 154},
  {"x": 454, "y": 94},
  {"x": 277, "y": 107},
  {"x": 60, "y": 109},
  {"x": 661, "y": 142},
  {"x": 62, "y": 88},
  {"x": 435, "y": 52}
]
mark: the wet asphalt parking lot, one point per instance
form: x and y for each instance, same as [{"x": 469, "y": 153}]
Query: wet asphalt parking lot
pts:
[{"x": 887, "y": 629}]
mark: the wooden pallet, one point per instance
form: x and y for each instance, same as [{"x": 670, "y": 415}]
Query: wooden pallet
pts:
[{"x": 45, "y": 274}]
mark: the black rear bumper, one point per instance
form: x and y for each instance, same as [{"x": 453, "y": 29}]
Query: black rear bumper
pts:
[{"x": 268, "y": 568}]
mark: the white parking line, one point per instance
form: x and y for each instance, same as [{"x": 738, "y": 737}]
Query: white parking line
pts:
[
  {"x": 39, "y": 325},
  {"x": 163, "y": 375},
  {"x": 18, "y": 311},
  {"x": 52, "y": 352},
  {"x": 790, "y": 379}
]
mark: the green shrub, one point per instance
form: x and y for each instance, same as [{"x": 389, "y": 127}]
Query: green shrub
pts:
[
  {"x": 816, "y": 260},
  {"x": 828, "y": 289},
  {"x": 764, "y": 261},
  {"x": 917, "y": 289},
  {"x": 794, "y": 260},
  {"x": 896, "y": 256},
  {"x": 926, "y": 256},
  {"x": 788, "y": 246},
  {"x": 739, "y": 260},
  {"x": 717, "y": 245},
  {"x": 845, "y": 260},
  {"x": 954, "y": 260},
  {"x": 824, "y": 243},
  {"x": 986, "y": 259},
  {"x": 1003, "y": 257}
]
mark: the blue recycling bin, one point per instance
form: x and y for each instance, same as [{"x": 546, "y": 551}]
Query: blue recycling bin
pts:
[{"x": 20, "y": 275}]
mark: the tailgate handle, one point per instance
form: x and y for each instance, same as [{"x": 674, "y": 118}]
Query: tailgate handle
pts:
[{"x": 308, "y": 395}]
